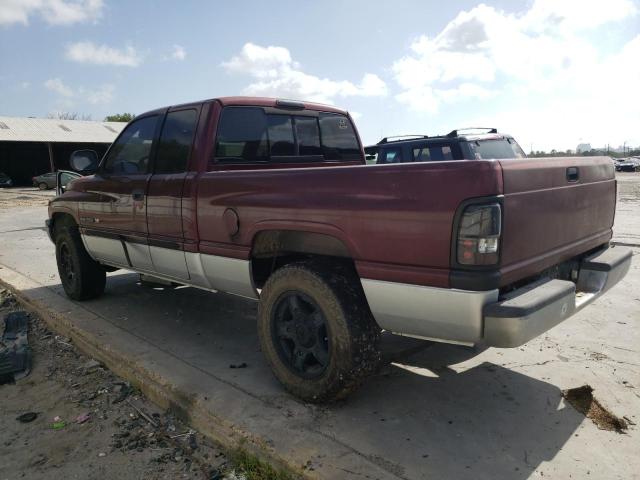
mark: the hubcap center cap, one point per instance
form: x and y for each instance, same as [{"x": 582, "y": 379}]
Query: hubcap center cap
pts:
[{"x": 303, "y": 334}]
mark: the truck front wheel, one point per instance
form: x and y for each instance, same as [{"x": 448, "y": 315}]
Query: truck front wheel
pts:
[
  {"x": 82, "y": 277},
  {"x": 316, "y": 330}
]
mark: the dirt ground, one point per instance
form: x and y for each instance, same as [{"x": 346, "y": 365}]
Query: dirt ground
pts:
[
  {"x": 628, "y": 187},
  {"x": 91, "y": 424},
  {"x": 24, "y": 197}
]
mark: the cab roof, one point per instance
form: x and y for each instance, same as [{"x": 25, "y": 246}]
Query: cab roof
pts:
[{"x": 279, "y": 103}]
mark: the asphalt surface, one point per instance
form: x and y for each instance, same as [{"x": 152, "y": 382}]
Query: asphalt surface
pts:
[{"x": 434, "y": 411}]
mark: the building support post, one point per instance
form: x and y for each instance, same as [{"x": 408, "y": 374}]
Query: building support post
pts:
[{"x": 51, "y": 164}]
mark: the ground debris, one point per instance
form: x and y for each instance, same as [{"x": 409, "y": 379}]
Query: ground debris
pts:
[
  {"x": 91, "y": 365},
  {"x": 581, "y": 398},
  {"x": 73, "y": 411},
  {"x": 15, "y": 353},
  {"x": 27, "y": 417}
]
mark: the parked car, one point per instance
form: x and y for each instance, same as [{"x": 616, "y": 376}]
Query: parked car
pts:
[
  {"x": 627, "y": 165},
  {"x": 5, "y": 181},
  {"x": 475, "y": 144},
  {"x": 46, "y": 181},
  {"x": 271, "y": 200}
]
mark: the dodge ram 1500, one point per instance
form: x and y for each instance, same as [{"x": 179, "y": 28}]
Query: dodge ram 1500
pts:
[{"x": 272, "y": 200}]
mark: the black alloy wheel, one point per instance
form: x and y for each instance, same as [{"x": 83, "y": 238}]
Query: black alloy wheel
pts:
[{"x": 299, "y": 330}]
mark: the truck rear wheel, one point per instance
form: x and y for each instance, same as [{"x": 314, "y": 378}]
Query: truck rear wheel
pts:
[
  {"x": 82, "y": 277},
  {"x": 316, "y": 330}
]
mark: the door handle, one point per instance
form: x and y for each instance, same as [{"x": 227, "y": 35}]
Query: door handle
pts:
[
  {"x": 573, "y": 174},
  {"x": 137, "y": 195}
]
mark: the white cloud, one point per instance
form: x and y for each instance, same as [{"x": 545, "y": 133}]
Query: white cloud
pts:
[
  {"x": 178, "y": 52},
  {"x": 465, "y": 91},
  {"x": 534, "y": 50},
  {"x": 574, "y": 15},
  {"x": 56, "y": 85},
  {"x": 103, "y": 94},
  {"x": 54, "y": 12},
  {"x": 277, "y": 75},
  {"x": 548, "y": 78},
  {"x": 89, "y": 52}
]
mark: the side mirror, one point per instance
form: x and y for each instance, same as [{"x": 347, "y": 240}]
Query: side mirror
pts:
[{"x": 84, "y": 161}]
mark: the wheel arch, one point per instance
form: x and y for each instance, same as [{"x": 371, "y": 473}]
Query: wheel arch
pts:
[
  {"x": 59, "y": 218},
  {"x": 273, "y": 248}
]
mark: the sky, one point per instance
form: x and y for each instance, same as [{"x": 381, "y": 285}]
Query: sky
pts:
[{"x": 553, "y": 73}]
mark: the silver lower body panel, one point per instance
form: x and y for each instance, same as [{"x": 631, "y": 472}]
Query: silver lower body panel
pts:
[
  {"x": 209, "y": 272},
  {"x": 436, "y": 313},
  {"x": 469, "y": 317}
]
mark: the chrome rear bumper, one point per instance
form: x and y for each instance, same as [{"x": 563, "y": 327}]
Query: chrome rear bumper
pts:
[{"x": 532, "y": 310}]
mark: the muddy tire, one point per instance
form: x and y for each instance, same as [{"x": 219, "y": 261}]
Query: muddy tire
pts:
[
  {"x": 316, "y": 330},
  {"x": 82, "y": 278},
  {"x": 42, "y": 186}
]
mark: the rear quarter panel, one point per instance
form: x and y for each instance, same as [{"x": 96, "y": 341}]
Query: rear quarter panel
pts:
[{"x": 395, "y": 220}]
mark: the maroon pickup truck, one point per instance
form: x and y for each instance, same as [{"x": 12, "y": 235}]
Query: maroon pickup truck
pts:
[{"x": 272, "y": 200}]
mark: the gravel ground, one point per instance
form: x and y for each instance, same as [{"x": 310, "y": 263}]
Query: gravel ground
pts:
[
  {"x": 91, "y": 424},
  {"x": 628, "y": 186},
  {"x": 24, "y": 197}
]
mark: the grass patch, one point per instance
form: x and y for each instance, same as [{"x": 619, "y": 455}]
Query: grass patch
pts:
[{"x": 255, "y": 469}]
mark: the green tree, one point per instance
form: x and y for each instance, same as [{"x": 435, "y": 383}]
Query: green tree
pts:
[{"x": 119, "y": 117}]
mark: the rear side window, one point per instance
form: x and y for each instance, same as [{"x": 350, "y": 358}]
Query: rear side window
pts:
[
  {"x": 436, "y": 153},
  {"x": 175, "y": 141},
  {"x": 242, "y": 135},
  {"x": 248, "y": 134},
  {"x": 130, "y": 152},
  {"x": 496, "y": 149}
]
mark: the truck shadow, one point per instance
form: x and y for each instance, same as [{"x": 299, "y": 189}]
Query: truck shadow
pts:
[
  {"x": 480, "y": 421},
  {"x": 419, "y": 417}
]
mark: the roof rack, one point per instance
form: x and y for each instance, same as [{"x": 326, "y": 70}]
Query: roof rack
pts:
[
  {"x": 386, "y": 139},
  {"x": 454, "y": 133}
]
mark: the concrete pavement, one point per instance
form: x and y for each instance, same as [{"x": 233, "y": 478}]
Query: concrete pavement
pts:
[{"x": 434, "y": 411}]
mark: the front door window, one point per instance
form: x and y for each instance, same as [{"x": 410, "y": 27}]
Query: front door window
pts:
[{"x": 130, "y": 153}]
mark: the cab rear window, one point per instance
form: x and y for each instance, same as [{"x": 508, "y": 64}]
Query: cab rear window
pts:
[
  {"x": 339, "y": 141},
  {"x": 249, "y": 135}
]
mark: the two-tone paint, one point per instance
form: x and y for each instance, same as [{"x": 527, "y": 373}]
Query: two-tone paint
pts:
[{"x": 206, "y": 226}]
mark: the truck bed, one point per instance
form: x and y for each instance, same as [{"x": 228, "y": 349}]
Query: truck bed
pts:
[{"x": 396, "y": 221}]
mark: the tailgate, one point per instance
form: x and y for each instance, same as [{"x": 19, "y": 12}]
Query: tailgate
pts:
[{"x": 554, "y": 209}]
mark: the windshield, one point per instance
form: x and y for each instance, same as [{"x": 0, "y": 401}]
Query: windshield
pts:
[{"x": 496, "y": 149}]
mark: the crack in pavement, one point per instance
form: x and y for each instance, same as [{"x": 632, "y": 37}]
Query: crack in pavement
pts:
[{"x": 23, "y": 229}]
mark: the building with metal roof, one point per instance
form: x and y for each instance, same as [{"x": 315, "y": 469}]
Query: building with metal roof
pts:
[{"x": 32, "y": 146}]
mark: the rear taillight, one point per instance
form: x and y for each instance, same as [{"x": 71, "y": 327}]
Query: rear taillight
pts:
[{"x": 479, "y": 235}]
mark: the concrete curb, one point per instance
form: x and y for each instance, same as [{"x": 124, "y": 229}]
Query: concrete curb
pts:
[{"x": 231, "y": 417}]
